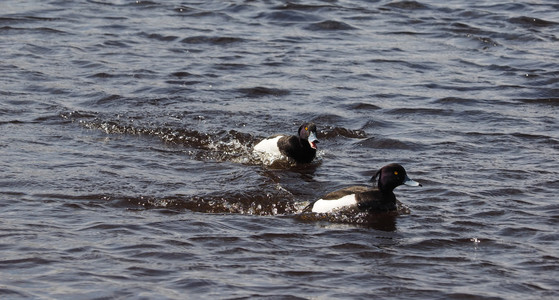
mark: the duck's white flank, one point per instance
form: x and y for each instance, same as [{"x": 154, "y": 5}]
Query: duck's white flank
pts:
[
  {"x": 269, "y": 146},
  {"x": 326, "y": 206}
]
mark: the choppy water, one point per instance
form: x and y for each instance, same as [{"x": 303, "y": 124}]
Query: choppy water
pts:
[{"x": 127, "y": 127}]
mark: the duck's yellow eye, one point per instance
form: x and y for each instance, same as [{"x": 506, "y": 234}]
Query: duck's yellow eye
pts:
[{"x": 395, "y": 172}]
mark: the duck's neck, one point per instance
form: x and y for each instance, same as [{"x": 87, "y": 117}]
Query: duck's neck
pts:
[
  {"x": 387, "y": 194},
  {"x": 304, "y": 142}
]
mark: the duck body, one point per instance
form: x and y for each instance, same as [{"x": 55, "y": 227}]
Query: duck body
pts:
[
  {"x": 360, "y": 197},
  {"x": 374, "y": 200},
  {"x": 301, "y": 148}
]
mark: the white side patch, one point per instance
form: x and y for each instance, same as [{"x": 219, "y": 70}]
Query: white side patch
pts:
[
  {"x": 326, "y": 206},
  {"x": 269, "y": 146}
]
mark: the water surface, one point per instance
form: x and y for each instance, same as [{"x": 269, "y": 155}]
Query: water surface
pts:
[{"x": 127, "y": 129}]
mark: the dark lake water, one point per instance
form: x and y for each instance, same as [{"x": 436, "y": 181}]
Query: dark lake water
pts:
[{"x": 126, "y": 130}]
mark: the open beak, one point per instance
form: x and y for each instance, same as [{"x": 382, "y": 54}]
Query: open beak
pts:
[
  {"x": 313, "y": 140},
  {"x": 410, "y": 182}
]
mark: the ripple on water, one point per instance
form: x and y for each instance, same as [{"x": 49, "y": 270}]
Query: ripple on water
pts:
[{"x": 128, "y": 127}]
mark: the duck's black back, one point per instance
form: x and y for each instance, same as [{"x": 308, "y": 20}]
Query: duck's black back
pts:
[
  {"x": 346, "y": 191},
  {"x": 376, "y": 201}
]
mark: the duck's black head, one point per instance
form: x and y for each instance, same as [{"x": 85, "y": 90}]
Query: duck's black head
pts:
[
  {"x": 392, "y": 176},
  {"x": 307, "y": 131}
]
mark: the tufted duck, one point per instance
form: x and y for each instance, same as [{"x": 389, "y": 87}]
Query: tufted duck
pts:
[
  {"x": 301, "y": 148},
  {"x": 379, "y": 199}
]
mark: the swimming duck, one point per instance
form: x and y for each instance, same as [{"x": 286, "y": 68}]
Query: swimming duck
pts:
[
  {"x": 378, "y": 199},
  {"x": 301, "y": 148}
]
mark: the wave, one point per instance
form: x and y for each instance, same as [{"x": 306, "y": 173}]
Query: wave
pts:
[
  {"x": 255, "y": 203},
  {"x": 212, "y": 40},
  {"x": 330, "y": 25},
  {"x": 221, "y": 145},
  {"x": 228, "y": 146}
]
